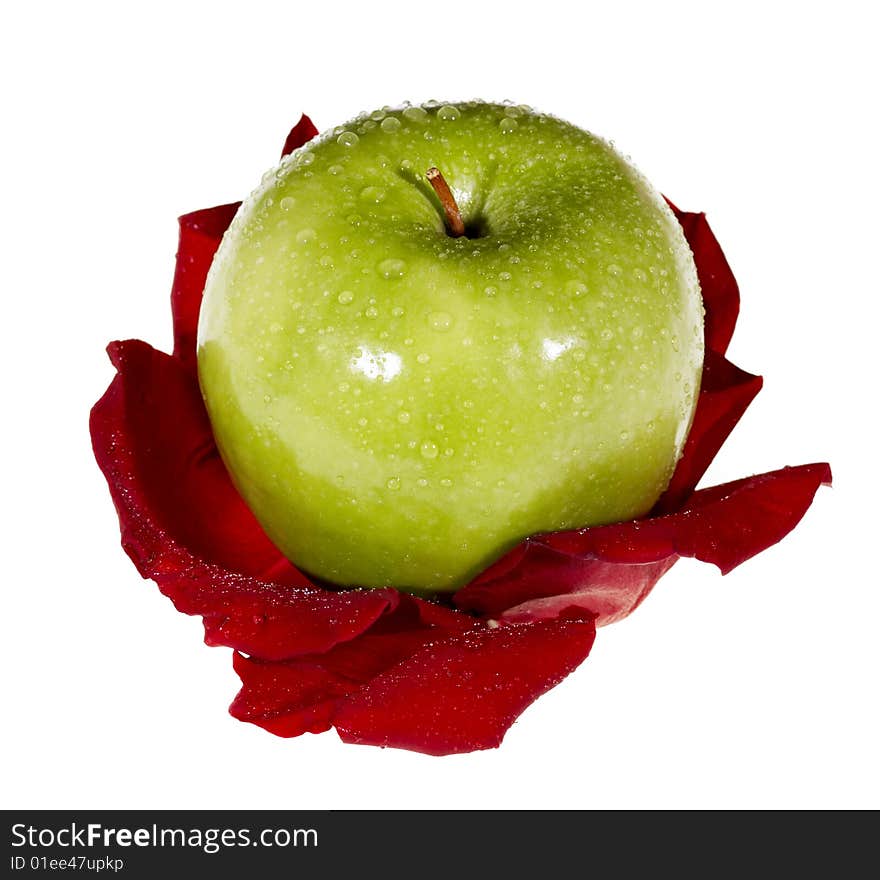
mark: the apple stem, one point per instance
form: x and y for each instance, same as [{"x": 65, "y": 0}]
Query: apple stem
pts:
[{"x": 454, "y": 223}]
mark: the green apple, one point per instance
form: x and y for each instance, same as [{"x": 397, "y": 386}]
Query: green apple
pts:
[{"x": 399, "y": 405}]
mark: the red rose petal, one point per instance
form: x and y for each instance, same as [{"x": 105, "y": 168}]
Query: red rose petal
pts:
[
  {"x": 155, "y": 409},
  {"x": 464, "y": 683},
  {"x": 300, "y": 134},
  {"x": 609, "y": 570},
  {"x": 273, "y": 623},
  {"x": 301, "y": 695},
  {"x": 288, "y": 699},
  {"x": 725, "y": 390},
  {"x": 717, "y": 284},
  {"x": 184, "y": 525},
  {"x": 200, "y": 236},
  {"x": 537, "y": 581},
  {"x": 461, "y": 693},
  {"x": 725, "y": 393},
  {"x": 728, "y": 524}
]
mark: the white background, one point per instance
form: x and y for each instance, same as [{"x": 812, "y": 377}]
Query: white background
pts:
[{"x": 755, "y": 690}]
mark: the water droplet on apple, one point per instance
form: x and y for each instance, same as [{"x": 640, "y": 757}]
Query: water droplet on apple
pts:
[
  {"x": 415, "y": 114},
  {"x": 614, "y": 269},
  {"x": 448, "y": 113},
  {"x": 392, "y": 268},
  {"x": 507, "y": 125},
  {"x": 429, "y": 450},
  {"x": 335, "y": 170},
  {"x": 504, "y": 276},
  {"x": 512, "y": 112},
  {"x": 440, "y": 321},
  {"x": 345, "y": 297},
  {"x": 348, "y": 139},
  {"x": 575, "y": 288},
  {"x": 446, "y": 483},
  {"x": 423, "y": 357},
  {"x": 393, "y": 484},
  {"x": 398, "y": 311},
  {"x": 490, "y": 290},
  {"x": 374, "y": 194},
  {"x": 306, "y": 236},
  {"x": 287, "y": 203},
  {"x": 371, "y": 312},
  {"x": 390, "y": 124},
  {"x": 403, "y": 417}
]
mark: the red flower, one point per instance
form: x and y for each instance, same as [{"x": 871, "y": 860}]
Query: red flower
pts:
[{"x": 382, "y": 667}]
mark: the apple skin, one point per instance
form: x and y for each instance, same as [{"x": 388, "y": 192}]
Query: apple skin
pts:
[{"x": 399, "y": 407}]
